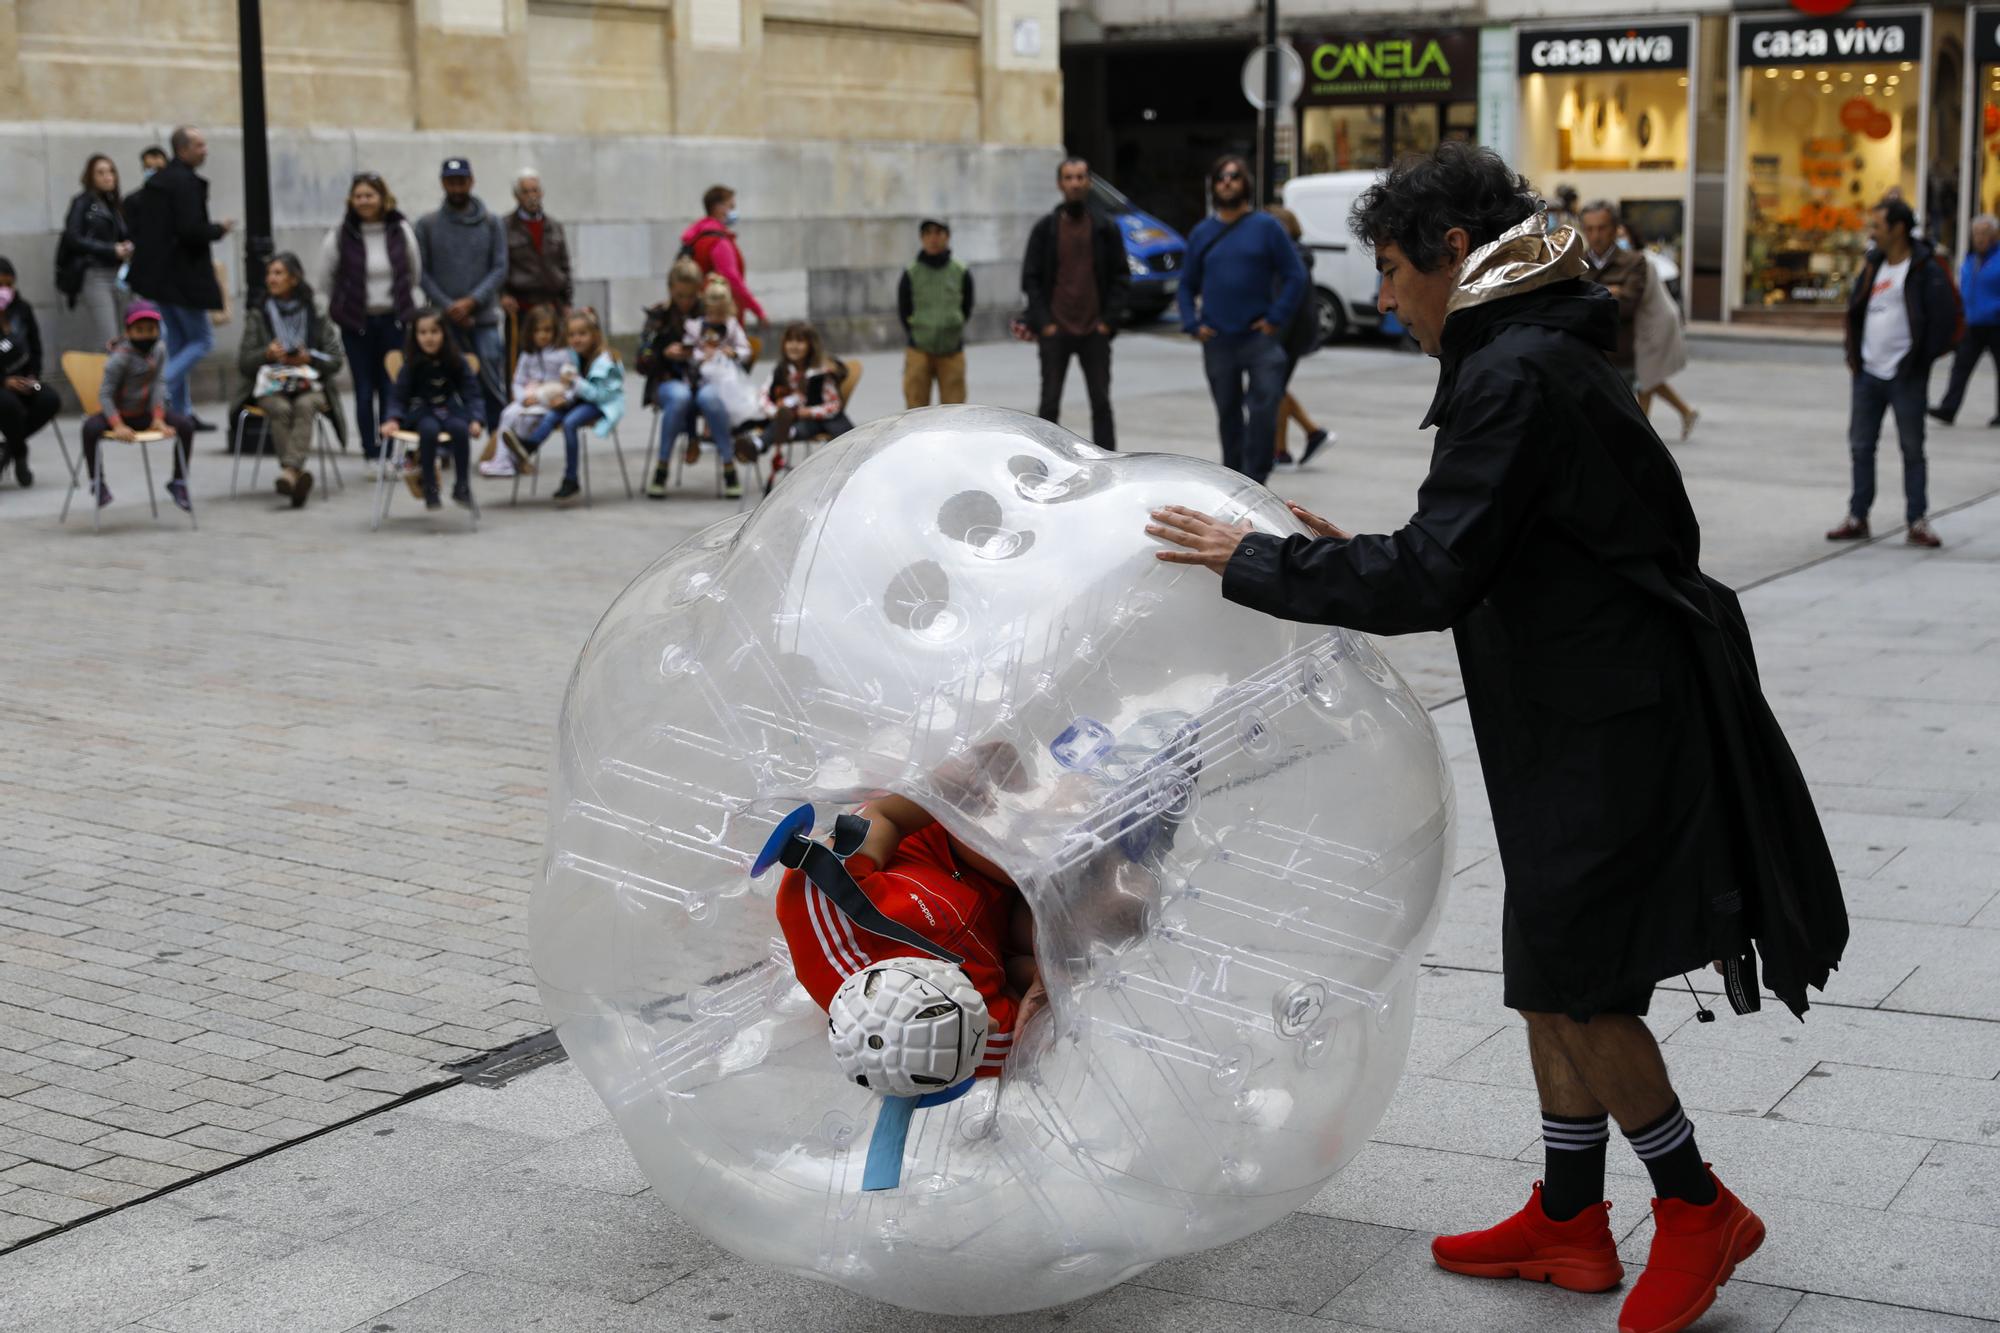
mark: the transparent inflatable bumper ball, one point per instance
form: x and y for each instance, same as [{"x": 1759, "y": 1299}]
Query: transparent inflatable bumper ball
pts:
[{"x": 1234, "y": 833}]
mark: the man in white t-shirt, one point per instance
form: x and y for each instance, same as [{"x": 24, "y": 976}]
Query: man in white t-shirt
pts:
[{"x": 1902, "y": 316}]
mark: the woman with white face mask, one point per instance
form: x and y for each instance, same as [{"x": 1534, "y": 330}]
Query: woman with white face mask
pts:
[{"x": 711, "y": 243}]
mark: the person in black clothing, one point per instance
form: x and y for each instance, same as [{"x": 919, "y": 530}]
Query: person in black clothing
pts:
[
  {"x": 171, "y": 263},
  {"x": 431, "y": 395},
  {"x": 1075, "y": 276},
  {"x": 1650, "y": 814},
  {"x": 26, "y": 404},
  {"x": 94, "y": 245}
]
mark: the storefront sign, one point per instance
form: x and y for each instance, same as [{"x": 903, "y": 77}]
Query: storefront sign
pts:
[
  {"x": 1986, "y": 36},
  {"x": 1568, "y": 50},
  {"x": 1841, "y": 41},
  {"x": 1437, "y": 66}
]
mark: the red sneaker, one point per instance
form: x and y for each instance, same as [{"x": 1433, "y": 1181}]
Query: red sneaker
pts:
[
  {"x": 1695, "y": 1249},
  {"x": 1578, "y": 1254},
  {"x": 1851, "y": 529}
]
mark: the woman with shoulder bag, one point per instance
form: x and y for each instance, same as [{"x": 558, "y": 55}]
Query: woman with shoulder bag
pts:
[
  {"x": 288, "y": 358},
  {"x": 95, "y": 245}
]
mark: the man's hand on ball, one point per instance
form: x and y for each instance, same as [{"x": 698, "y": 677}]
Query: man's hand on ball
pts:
[
  {"x": 1317, "y": 526},
  {"x": 1202, "y": 540}
]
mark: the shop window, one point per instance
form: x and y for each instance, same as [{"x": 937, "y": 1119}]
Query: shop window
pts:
[
  {"x": 1986, "y": 133},
  {"x": 1822, "y": 145},
  {"x": 1620, "y": 135},
  {"x": 1342, "y": 138}
]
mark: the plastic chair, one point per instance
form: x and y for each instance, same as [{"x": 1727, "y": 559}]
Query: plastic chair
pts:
[
  {"x": 322, "y": 432},
  {"x": 405, "y": 443},
  {"x": 583, "y": 456},
  {"x": 85, "y": 373}
]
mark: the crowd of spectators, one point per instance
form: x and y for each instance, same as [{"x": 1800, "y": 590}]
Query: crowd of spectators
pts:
[
  {"x": 455, "y": 325},
  {"x": 461, "y": 324}
]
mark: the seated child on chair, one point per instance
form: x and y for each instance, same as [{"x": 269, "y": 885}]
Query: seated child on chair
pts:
[
  {"x": 538, "y": 387},
  {"x": 133, "y": 398},
  {"x": 431, "y": 396},
  {"x": 803, "y": 400},
  {"x": 595, "y": 397}
]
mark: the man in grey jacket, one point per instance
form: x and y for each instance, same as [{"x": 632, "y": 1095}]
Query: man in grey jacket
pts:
[{"x": 465, "y": 265}]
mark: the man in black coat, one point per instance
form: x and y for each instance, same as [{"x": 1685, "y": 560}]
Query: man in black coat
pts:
[
  {"x": 1650, "y": 815},
  {"x": 1901, "y": 316},
  {"x": 1075, "y": 276},
  {"x": 171, "y": 262}
]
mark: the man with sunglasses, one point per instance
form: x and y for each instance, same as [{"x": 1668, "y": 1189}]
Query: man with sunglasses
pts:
[{"x": 1243, "y": 282}]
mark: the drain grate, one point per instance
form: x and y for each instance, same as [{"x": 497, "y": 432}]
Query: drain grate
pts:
[{"x": 496, "y": 1069}]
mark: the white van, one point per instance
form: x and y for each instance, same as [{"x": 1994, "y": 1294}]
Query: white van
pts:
[{"x": 1343, "y": 274}]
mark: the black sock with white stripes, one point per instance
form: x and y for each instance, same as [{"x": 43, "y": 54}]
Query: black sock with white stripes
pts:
[
  {"x": 1573, "y": 1178},
  {"x": 1668, "y": 1149}
]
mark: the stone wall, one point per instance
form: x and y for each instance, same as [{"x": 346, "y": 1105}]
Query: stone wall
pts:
[{"x": 839, "y": 122}]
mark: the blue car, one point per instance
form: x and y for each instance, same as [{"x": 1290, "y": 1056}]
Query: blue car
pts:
[{"x": 1154, "y": 252}]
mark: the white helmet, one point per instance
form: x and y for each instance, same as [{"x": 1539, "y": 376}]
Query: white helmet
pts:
[{"x": 907, "y": 1027}]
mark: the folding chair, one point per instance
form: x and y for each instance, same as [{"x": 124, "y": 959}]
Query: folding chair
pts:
[
  {"x": 583, "y": 457},
  {"x": 322, "y": 449},
  {"x": 403, "y": 449},
  {"x": 85, "y": 373}
]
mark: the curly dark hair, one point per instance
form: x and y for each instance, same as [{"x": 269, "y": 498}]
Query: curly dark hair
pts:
[{"x": 1425, "y": 195}]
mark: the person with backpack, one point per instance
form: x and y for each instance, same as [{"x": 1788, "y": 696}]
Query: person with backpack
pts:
[
  {"x": 1243, "y": 283},
  {"x": 1902, "y": 315},
  {"x": 711, "y": 243},
  {"x": 934, "y": 300}
]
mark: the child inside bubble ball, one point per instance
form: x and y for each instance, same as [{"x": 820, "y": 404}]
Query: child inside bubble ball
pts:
[{"x": 922, "y": 878}]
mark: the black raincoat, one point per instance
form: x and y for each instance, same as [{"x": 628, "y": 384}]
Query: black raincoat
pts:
[{"x": 1650, "y": 815}]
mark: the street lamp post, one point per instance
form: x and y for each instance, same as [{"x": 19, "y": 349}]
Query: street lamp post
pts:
[
  {"x": 1267, "y": 172},
  {"x": 258, "y": 244}
]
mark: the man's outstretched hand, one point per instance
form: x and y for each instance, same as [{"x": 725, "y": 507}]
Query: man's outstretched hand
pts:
[
  {"x": 1317, "y": 526},
  {"x": 1201, "y": 540}
]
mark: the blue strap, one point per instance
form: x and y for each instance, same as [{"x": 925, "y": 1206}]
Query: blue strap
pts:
[{"x": 892, "y": 1129}]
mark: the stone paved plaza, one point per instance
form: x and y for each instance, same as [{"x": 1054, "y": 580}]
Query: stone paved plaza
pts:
[{"x": 275, "y": 801}]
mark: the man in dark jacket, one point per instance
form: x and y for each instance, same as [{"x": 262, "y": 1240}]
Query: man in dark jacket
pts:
[
  {"x": 1075, "y": 277},
  {"x": 1901, "y": 316},
  {"x": 538, "y": 272},
  {"x": 171, "y": 262},
  {"x": 1649, "y": 812},
  {"x": 465, "y": 264},
  {"x": 1624, "y": 273}
]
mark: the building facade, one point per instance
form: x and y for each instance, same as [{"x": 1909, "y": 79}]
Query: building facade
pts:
[
  {"x": 840, "y": 123},
  {"x": 1747, "y": 142}
]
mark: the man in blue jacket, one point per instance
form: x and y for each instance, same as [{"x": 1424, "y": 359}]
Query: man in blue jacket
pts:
[
  {"x": 1979, "y": 287},
  {"x": 1242, "y": 283}
]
